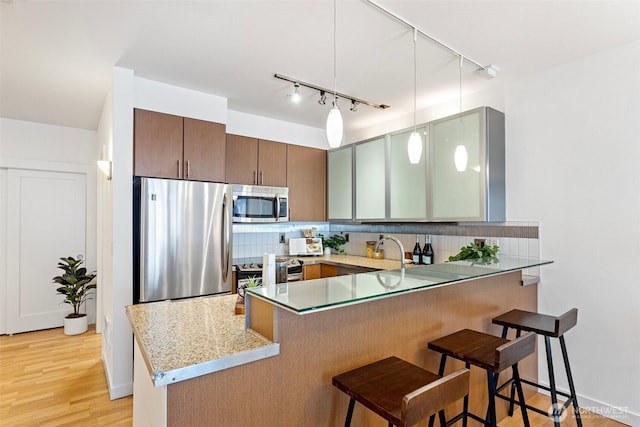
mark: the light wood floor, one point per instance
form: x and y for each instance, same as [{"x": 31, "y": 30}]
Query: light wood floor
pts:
[{"x": 50, "y": 379}]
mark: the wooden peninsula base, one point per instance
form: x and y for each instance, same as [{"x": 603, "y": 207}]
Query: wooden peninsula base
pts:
[{"x": 294, "y": 388}]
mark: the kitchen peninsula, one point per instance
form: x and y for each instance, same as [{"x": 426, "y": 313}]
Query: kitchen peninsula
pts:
[{"x": 302, "y": 334}]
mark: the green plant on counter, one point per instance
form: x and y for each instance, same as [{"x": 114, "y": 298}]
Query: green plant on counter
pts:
[
  {"x": 477, "y": 255},
  {"x": 334, "y": 242},
  {"x": 253, "y": 282}
]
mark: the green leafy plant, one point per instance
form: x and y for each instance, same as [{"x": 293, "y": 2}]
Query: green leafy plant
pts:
[
  {"x": 75, "y": 284},
  {"x": 477, "y": 254},
  {"x": 253, "y": 282},
  {"x": 334, "y": 242}
]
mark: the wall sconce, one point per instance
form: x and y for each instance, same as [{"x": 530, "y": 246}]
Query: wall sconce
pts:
[{"x": 106, "y": 166}]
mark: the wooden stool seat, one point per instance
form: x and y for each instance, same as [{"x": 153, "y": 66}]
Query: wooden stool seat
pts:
[
  {"x": 400, "y": 392},
  {"x": 491, "y": 353},
  {"x": 541, "y": 324},
  {"x": 549, "y": 327}
]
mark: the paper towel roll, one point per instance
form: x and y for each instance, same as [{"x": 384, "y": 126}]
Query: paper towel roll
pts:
[{"x": 268, "y": 269}]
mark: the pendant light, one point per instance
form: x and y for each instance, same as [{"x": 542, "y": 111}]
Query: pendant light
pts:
[
  {"x": 334, "y": 119},
  {"x": 414, "y": 147},
  {"x": 460, "y": 157}
]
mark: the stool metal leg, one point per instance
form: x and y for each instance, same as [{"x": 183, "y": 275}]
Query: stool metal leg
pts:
[
  {"x": 347, "y": 421},
  {"x": 492, "y": 379},
  {"x": 572, "y": 389},
  {"x": 523, "y": 407},
  {"x": 465, "y": 402},
  {"x": 552, "y": 383}
]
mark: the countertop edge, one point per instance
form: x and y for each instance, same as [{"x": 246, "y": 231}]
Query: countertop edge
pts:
[{"x": 161, "y": 379}]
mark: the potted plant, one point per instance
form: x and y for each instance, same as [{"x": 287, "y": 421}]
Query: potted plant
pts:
[
  {"x": 75, "y": 284},
  {"x": 482, "y": 254},
  {"x": 334, "y": 242}
]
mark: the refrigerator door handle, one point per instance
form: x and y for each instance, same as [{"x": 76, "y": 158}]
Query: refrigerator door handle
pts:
[{"x": 226, "y": 231}]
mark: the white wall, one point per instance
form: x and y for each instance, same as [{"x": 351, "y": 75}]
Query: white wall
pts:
[
  {"x": 573, "y": 152},
  {"x": 275, "y": 130},
  {"x": 37, "y": 146}
]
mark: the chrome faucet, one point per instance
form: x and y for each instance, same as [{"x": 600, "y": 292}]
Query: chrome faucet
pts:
[{"x": 397, "y": 241}]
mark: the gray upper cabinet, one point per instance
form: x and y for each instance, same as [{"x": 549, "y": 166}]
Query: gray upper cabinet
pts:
[
  {"x": 407, "y": 182},
  {"x": 471, "y": 190},
  {"x": 370, "y": 180},
  {"x": 340, "y": 183},
  {"x": 377, "y": 175}
]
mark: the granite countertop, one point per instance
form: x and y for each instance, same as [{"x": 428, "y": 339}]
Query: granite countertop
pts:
[
  {"x": 358, "y": 261},
  {"x": 188, "y": 338}
]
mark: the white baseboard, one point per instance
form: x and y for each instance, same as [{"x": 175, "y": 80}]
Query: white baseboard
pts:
[
  {"x": 116, "y": 392},
  {"x": 591, "y": 406}
]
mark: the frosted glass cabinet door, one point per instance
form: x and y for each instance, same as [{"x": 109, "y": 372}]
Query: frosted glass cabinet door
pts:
[
  {"x": 457, "y": 191},
  {"x": 407, "y": 182},
  {"x": 340, "y": 169},
  {"x": 370, "y": 179}
]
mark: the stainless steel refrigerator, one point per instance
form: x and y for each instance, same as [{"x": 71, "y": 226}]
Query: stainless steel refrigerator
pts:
[{"x": 182, "y": 239}]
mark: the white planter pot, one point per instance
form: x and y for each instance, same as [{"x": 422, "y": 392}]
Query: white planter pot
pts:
[
  {"x": 75, "y": 325},
  {"x": 327, "y": 251}
]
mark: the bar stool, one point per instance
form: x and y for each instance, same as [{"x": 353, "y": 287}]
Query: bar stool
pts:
[
  {"x": 549, "y": 327},
  {"x": 491, "y": 353},
  {"x": 400, "y": 392}
]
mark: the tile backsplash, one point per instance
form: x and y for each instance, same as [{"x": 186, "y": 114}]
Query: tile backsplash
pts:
[{"x": 250, "y": 240}]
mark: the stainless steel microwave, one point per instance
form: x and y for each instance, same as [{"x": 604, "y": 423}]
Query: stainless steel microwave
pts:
[{"x": 252, "y": 203}]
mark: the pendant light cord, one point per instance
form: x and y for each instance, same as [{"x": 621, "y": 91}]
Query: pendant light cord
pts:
[
  {"x": 460, "y": 88},
  {"x": 335, "y": 91},
  {"x": 415, "y": 76}
]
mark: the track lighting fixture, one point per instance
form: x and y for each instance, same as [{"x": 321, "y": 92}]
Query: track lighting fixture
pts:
[
  {"x": 354, "y": 105},
  {"x": 323, "y": 98}
]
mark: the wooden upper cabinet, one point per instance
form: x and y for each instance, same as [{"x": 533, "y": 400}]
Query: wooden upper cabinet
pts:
[
  {"x": 204, "y": 150},
  {"x": 157, "y": 144},
  {"x": 252, "y": 161},
  {"x": 168, "y": 146},
  {"x": 242, "y": 160},
  {"x": 306, "y": 177},
  {"x": 272, "y": 163}
]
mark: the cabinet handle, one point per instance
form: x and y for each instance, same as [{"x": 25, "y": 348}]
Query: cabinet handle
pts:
[
  {"x": 261, "y": 178},
  {"x": 255, "y": 182},
  {"x": 188, "y": 168},
  {"x": 179, "y": 168}
]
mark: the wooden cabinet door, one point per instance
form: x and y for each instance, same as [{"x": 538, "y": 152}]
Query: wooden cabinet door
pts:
[
  {"x": 306, "y": 178},
  {"x": 204, "y": 150},
  {"x": 312, "y": 271},
  {"x": 329, "y": 270},
  {"x": 242, "y": 160},
  {"x": 157, "y": 148},
  {"x": 272, "y": 163}
]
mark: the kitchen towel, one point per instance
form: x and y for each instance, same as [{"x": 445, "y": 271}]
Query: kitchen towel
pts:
[{"x": 268, "y": 269}]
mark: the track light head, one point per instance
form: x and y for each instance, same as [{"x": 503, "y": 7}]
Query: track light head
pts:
[
  {"x": 323, "y": 98},
  {"x": 354, "y": 105},
  {"x": 296, "y": 94}
]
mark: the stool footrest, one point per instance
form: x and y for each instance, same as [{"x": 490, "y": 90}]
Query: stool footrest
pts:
[{"x": 565, "y": 405}]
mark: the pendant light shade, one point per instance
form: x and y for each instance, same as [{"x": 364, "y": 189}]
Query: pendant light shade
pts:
[
  {"x": 414, "y": 148},
  {"x": 334, "y": 127},
  {"x": 460, "y": 158}
]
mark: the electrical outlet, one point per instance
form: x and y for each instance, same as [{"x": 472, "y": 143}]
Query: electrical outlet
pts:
[
  {"x": 282, "y": 238},
  {"x": 479, "y": 242}
]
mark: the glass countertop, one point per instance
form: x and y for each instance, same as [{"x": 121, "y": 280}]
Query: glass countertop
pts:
[{"x": 320, "y": 294}]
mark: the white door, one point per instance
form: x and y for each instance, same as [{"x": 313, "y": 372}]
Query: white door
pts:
[{"x": 46, "y": 220}]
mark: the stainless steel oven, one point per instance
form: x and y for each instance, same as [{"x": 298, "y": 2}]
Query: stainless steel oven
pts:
[
  {"x": 253, "y": 203},
  {"x": 254, "y": 270}
]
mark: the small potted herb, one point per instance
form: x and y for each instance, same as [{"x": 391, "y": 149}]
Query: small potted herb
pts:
[
  {"x": 75, "y": 284},
  {"x": 334, "y": 242},
  {"x": 252, "y": 282}
]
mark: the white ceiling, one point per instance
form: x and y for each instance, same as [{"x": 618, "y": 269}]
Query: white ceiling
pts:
[{"x": 56, "y": 57}]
